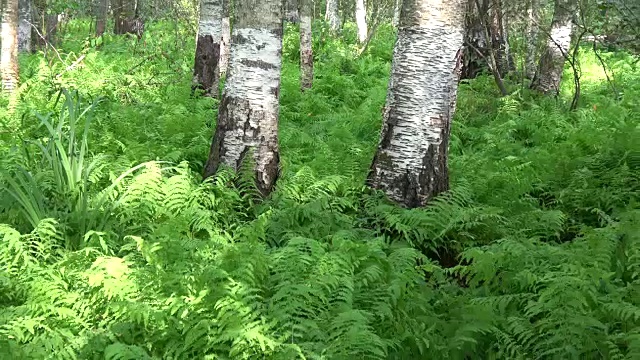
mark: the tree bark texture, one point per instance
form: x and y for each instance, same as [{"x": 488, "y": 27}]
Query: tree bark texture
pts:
[
  {"x": 9, "y": 54},
  {"x": 499, "y": 39},
  {"x": 396, "y": 12},
  {"x": 102, "y": 7},
  {"x": 51, "y": 23},
  {"x": 306, "y": 49},
  {"x": 486, "y": 40},
  {"x": 206, "y": 72},
  {"x": 410, "y": 165},
  {"x": 225, "y": 41},
  {"x": 123, "y": 14},
  {"x": 533, "y": 20},
  {"x": 248, "y": 113},
  {"x": 549, "y": 75},
  {"x": 291, "y": 13},
  {"x": 24, "y": 25},
  {"x": 361, "y": 20},
  {"x": 332, "y": 16}
]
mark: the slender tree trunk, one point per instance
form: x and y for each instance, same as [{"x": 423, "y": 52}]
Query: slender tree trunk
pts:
[
  {"x": 361, "y": 20},
  {"x": 206, "y": 73},
  {"x": 226, "y": 38},
  {"x": 51, "y": 23},
  {"x": 533, "y": 12},
  {"x": 332, "y": 16},
  {"x": 500, "y": 43},
  {"x": 123, "y": 14},
  {"x": 291, "y": 11},
  {"x": 306, "y": 50},
  {"x": 102, "y": 7},
  {"x": 411, "y": 162},
  {"x": 248, "y": 113},
  {"x": 396, "y": 13},
  {"x": 551, "y": 66},
  {"x": 9, "y": 54},
  {"x": 24, "y": 25}
]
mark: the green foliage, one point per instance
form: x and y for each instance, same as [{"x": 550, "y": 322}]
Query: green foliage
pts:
[{"x": 113, "y": 248}]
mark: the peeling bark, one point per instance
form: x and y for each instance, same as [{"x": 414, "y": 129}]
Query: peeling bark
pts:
[
  {"x": 24, "y": 25},
  {"x": 248, "y": 113},
  {"x": 306, "y": 50},
  {"x": 410, "y": 165},
  {"x": 361, "y": 20},
  {"x": 551, "y": 66},
  {"x": 332, "y": 16},
  {"x": 9, "y": 54},
  {"x": 206, "y": 73},
  {"x": 225, "y": 41}
]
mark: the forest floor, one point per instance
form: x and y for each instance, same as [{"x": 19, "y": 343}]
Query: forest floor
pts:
[{"x": 120, "y": 252}]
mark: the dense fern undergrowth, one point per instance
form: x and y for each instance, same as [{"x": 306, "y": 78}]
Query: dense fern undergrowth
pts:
[{"x": 113, "y": 248}]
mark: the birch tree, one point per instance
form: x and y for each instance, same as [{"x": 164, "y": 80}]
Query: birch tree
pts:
[
  {"x": 551, "y": 65},
  {"x": 24, "y": 25},
  {"x": 332, "y": 16},
  {"x": 206, "y": 72},
  {"x": 361, "y": 20},
  {"x": 9, "y": 54},
  {"x": 306, "y": 50},
  {"x": 225, "y": 37},
  {"x": 248, "y": 113},
  {"x": 410, "y": 165}
]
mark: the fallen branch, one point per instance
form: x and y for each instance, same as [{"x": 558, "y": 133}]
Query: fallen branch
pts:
[{"x": 72, "y": 66}]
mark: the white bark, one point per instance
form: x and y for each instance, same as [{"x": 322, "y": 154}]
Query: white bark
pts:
[
  {"x": 207, "y": 57},
  {"x": 225, "y": 43},
  {"x": 361, "y": 20},
  {"x": 331, "y": 15},
  {"x": 396, "y": 13},
  {"x": 9, "y": 52},
  {"x": 210, "y": 22},
  {"x": 306, "y": 50},
  {"x": 551, "y": 66},
  {"x": 24, "y": 26},
  {"x": 411, "y": 162},
  {"x": 249, "y": 109}
]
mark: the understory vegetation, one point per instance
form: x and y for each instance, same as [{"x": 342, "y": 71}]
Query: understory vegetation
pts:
[{"x": 113, "y": 248}]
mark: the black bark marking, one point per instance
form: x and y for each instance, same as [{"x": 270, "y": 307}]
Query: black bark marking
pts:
[
  {"x": 205, "y": 70},
  {"x": 259, "y": 64}
]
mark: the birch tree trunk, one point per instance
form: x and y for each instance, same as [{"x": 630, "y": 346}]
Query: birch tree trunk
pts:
[
  {"x": 226, "y": 38},
  {"x": 396, "y": 13},
  {"x": 410, "y": 165},
  {"x": 9, "y": 54},
  {"x": 206, "y": 73},
  {"x": 549, "y": 75},
  {"x": 248, "y": 113},
  {"x": 532, "y": 38},
  {"x": 101, "y": 16},
  {"x": 306, "y": 50},
  {"x": 332, "y": 16},
  {"x": 24, "y": 25},
  {"x": 361, "y": 20}
]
